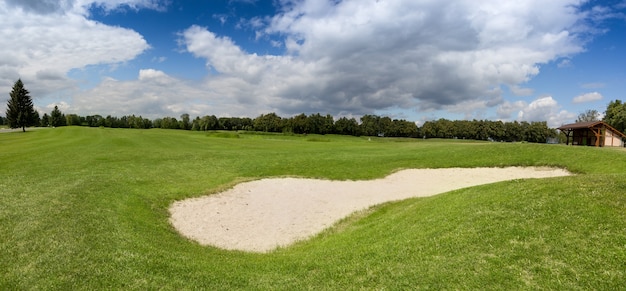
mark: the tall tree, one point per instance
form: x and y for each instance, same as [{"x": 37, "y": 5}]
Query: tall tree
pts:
[
  {"x": 615, "y": 115},
  {"x": 588, "y": 115},
  {"x": 299, "y": 124},
  {"x": 268, "y": 123},
  {"x": 347, "y": 126},
  {"x": 370, "y": 125},
  {"x": 72, "y": 119},
  {"x": 20, "y": 111},
  {"x": 429, "y": 130},
  {"x": 184, "y": 121}
]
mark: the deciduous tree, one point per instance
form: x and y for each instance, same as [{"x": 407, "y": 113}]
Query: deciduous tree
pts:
[
  {"x": 615, "y": 115},
  {"x": 184, "y": 121},
  {"x": 370, "y": 125},
  {"x": 588, "y": 115},
  {"x": 347, "y": 126},
  {"x": 268, "y": 123}
]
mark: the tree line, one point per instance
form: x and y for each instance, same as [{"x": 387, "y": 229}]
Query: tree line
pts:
[
  {"x": 371, "y": 125},
  {"x": 538, "y": 132},
  {"x": 368, "y": 125},
  {"x": 20, "y": 113}
]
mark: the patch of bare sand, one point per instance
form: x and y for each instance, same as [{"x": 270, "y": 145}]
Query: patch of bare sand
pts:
[{"x": 259, "y": 216}]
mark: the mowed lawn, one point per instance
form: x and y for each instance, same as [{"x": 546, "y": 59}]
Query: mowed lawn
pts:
[{"x": 86, "y": 208}]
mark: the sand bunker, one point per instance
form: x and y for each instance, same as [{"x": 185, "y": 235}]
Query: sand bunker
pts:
[{"x": 262, "y": 215}]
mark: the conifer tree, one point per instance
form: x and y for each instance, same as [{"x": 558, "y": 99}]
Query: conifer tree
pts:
[
  {"x": 20, "y": 111},
  {"x": 57, "y": 118}
]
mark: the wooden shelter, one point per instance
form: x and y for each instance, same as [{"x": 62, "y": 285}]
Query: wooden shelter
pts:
[{"x": 593, "y": 133}]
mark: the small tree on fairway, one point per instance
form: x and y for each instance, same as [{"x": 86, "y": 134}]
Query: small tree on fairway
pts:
[{"x": 20, "y": 111}]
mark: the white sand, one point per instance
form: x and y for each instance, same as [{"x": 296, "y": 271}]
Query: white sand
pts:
[{"x": 262, "y": 215}]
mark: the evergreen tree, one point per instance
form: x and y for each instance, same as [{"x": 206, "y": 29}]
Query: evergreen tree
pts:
[
  {"x": 45, "y": 120},
  {"x": 20, "y": 111},
  {"x": 56, "y": 117}
]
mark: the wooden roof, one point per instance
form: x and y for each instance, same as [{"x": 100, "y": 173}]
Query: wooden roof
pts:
[{"x": 590, "y": 124}]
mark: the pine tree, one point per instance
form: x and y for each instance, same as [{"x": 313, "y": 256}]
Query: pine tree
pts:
[
  {"x": 20, "y": 111},
  {"x": 57, "y": 118},
  {"x": 45, "y": 120}
]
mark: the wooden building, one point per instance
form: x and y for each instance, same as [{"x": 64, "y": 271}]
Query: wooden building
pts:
[{"x": 594, "y": 133}]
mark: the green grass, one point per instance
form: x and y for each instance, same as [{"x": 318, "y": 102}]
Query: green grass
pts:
[{"x": 86, "y": 208}]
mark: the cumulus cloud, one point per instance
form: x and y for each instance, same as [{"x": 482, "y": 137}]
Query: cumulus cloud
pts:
[
  {"x": 155, "y": 94},
  {"x": 46, "y": 39},
  {"x": 588, "y": 97},
  {"x": 151, "y": 93},
  {"x": 541, "y": 109},
  {"x": 360, "y": 56}
]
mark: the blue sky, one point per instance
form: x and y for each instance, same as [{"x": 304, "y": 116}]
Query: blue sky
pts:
[{"x": 525, "y": 60}]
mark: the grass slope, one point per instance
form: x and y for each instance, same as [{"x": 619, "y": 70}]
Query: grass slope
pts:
[{"x": 86, "y": 208}]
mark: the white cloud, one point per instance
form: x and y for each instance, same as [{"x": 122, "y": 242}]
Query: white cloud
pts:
[
  {"x": 473, "y": 109},
  {"x": 507, "y": 109},
  {"x": 541, "y": 109},
  {"x": 565, "y": 63},
  {"x": 155, "y": 94},
  {"x": 43, "y": 40},
  {"x": 63, "y": 106},
  {"x": 153, "y": 75},
  {"x": 159, "y": 59},
  {"x": 588, "y": 97},
  {"x": 520, "y": 91},
  {"x": 221, "y": 17}
]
